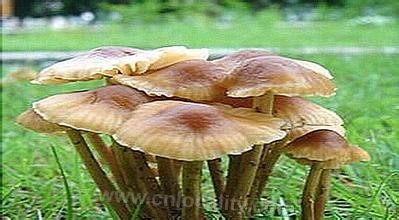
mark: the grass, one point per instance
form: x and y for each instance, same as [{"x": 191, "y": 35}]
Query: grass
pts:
[
  {"x": 367, "y": 100},
  {"x": 244, "y": 33}
]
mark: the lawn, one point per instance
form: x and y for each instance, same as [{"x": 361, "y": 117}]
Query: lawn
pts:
[
  {"x": 243, "y": 33},
  {"x": 367, "y": 100}
]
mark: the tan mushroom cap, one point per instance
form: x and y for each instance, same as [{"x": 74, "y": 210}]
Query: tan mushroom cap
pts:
[
  {"x": 109, "y": 61},
  {"x": 235, "y": 102},
  {"x": 304, "y": 117},
  {"x": 315, "y": 67},
  {"x": 100, "y": 110},
  {"x": 175, "y": 54},
  {"x": 191, "y": 79},
  {"x": 89, "y": 66},
  {"x": 234, "y": 59},
  {"x": 191, "y": 131},
  {"x": 299, "y": 112},
  {"x": 280, "y": 75},
  {"x": 301, "y": 116},
  {"x": 325, "y": 146},
  {"x": 33, "y": 121}
]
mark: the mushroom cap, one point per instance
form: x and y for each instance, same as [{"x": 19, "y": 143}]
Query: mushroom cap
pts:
[
  {"x": 327, "y": 147},
  {"x": 100, "y": 110},
  {"x": 315, "y": 67},
  {"x": 294, "y": 133},
  {"x": 191, "y": 131},
  {"x": 299, "y": 112},
  {"x": 256, "y": 76},
  {"x": 190, "y": 79},
  {"x": 91, "y": 65},
  {"x": 232, "y": 60},
  {"x": 296, "y": 111},
  {"x": 301, "y": 115},
  {"x": 109, "y": 61},
  {"x": 175, "y": 54},
  {"x": 33, "y": 121},
  {"x": 235, "y": 102}
]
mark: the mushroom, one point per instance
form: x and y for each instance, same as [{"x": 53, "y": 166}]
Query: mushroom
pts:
[
  {"x": 301, "y": 117},
  {"x": 100, "y": 110},
  {"x": 278, "y": 75},
  {"x": 261, "y": 87},
  {"x": 299, "y": 112},
  {"x": 176, "y": 54},
  {"x": 262, "y": 77},
  {"x": 234, "y": 59},
  {"x": 109, "y": 61},
  {"x": 192, "y": 79},
  {"x": 323, "y": 150},
  {"x": 193, "y": 132},
  {"x": 33, "y": 121}
]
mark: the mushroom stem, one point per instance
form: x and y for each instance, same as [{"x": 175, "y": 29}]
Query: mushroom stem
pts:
[
  {"x": 104, "y": 184},
  {"x": 309, "y": 192},
  {"x": 101, "y": 147},
  {"x": 231, "y": 181},
  {"x": 217, "y": 176},
  {"x": 108, "y": 156},
  {"x": 192, "y": 207},
  {"x": 125, "y": 166},
  {"x": 322, "y": 194},
  {"x": 151, "y": 185},
  {"x": 169, "y": 180},
  {"x": 140, "y": 179},
  {"x": 248, "y": 166},
  {"x": 264, "y": 103},
  {"x": 250, "y": 160},
  {"x": 272, "y": 153}
]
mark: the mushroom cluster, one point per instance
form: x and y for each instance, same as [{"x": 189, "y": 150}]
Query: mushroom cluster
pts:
[{"x": 170, "y": 110}]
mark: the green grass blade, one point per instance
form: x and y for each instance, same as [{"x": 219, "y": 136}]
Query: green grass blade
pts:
[
  {"x": 66, "y": 185},
  {"x": 110, "y": 210},
  {"x": 137, "y": 210},
  {"x": 378, "y": 192}
]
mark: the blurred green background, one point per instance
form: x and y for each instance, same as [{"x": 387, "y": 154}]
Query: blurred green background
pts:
[
  {"x": 59, "y": 25},
  {"x": 367, "y": 96}
]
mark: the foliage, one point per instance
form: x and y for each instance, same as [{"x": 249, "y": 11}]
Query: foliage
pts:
[
  {"x": 371, "y": 7},
  {"x": 39, "y": 8},
  {"x": 147, "y": 11},
  {"x": 154, "y": 10}
]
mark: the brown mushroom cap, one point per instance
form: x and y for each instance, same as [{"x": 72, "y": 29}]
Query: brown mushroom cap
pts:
[
  {"x": 108, "y": 61},
  {"x": 192, "y": 131},
  {"x": 191, "y": 79},
  {"x": 33, "y": 121},
  {"x": 280, "y": 75},
  {"x": 100, "y": 110},
  {"x": 294, "y": 133},
  {"x": 325, "y": 146},
  {"x": 232, "y": 60}
]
